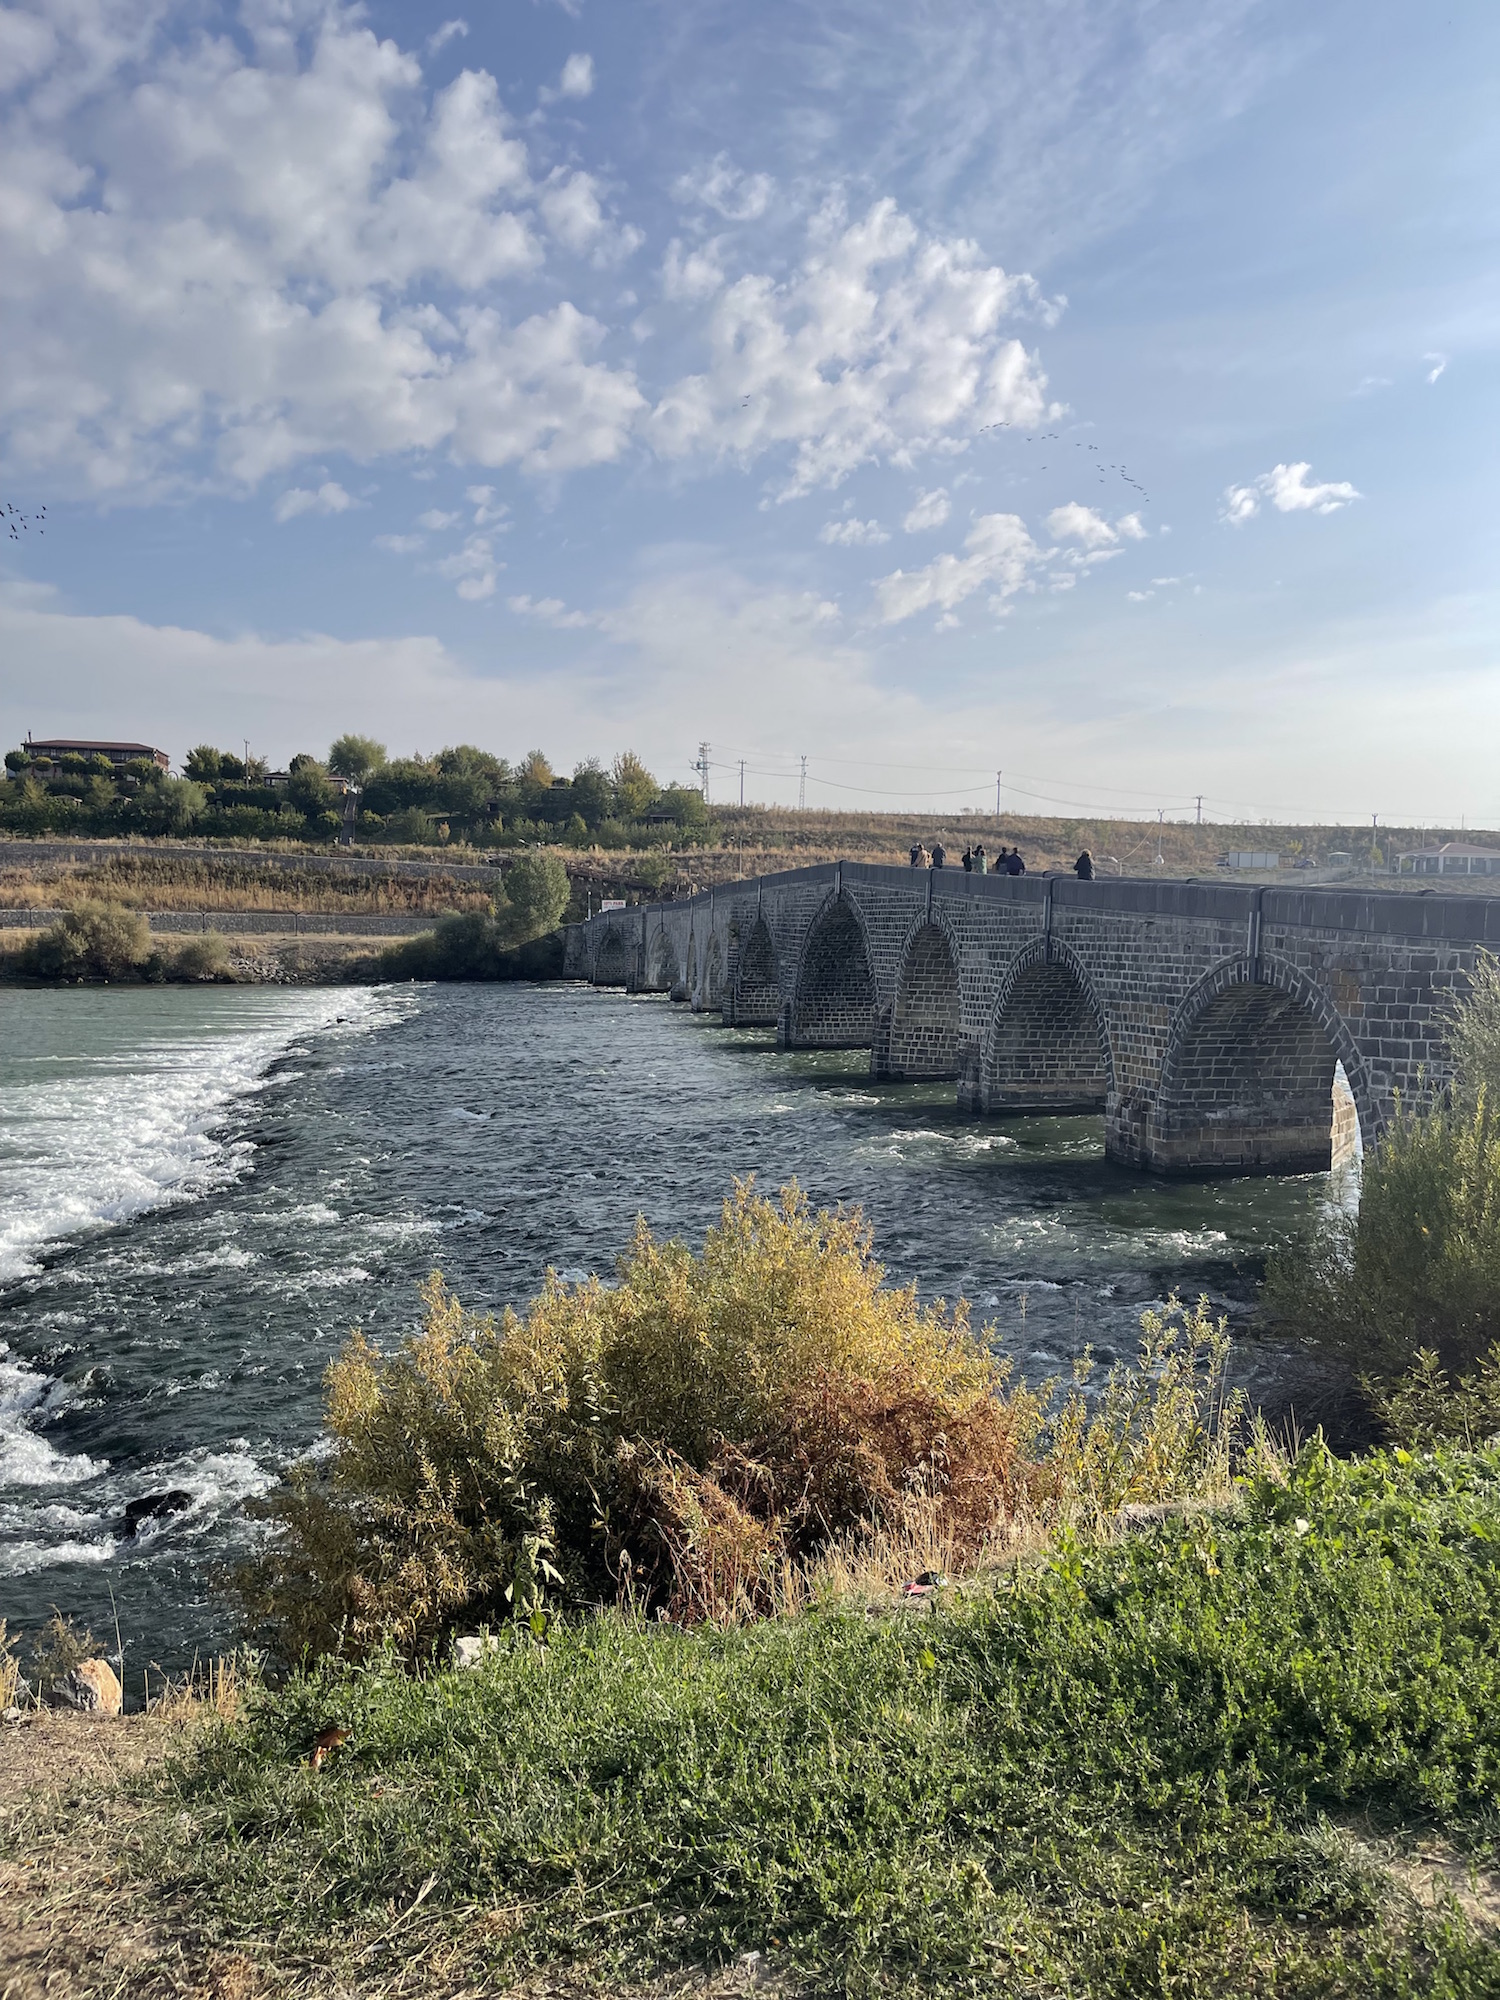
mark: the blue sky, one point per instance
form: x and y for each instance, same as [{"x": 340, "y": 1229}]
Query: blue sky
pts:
[{"x": 1100, "y": 392}]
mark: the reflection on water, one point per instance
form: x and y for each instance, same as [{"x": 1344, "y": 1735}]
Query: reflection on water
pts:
[{"x": 201, "y": 1192}]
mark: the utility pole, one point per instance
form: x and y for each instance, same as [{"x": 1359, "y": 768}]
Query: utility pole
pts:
[
  {"x": 1161, "y": 813},
  {"x": 802, "y": 789},
  {"x": 997, "y": 795},
  {"x": 701, "y": 767},
  {"x": 1200, "y": 809},
  {"x": 742, "y": 781},
  {"x": 1374, "y": 819}
]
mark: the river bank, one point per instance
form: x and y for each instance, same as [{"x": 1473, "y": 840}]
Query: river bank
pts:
[{"x": 1242, "y": 1751}]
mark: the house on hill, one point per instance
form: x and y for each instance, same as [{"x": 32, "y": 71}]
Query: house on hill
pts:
[
  {"x": 51, "y": 750},
  {"x": 1452, "y": 858}
]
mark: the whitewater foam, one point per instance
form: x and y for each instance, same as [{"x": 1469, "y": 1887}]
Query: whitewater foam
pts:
[{"x": 140, "y": 1126}]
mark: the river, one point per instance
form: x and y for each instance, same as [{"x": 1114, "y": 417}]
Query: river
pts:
[{"x": 202, "y": 1190}]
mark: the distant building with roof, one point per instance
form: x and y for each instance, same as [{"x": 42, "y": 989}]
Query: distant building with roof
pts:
[
  {"x": 51, "y": 749},
  {"x": 1452, "y": 858}
]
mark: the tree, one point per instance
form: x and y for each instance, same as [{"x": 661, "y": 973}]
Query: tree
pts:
[
  {"x": 93, "y": 941},
  {"x": 171, "y": 804},
  {"x": 308, "y": 788},
  {"x": 591, "y": 793},
  {"x": 535, "y": 770},
  {"x": 535, "y": 893},
  {"x": 355, "y": 757},
  {"x": 635, "y": 788},
  {"x": 204, "y": 764}
]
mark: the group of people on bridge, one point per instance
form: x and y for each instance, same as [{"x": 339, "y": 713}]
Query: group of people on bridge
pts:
[{"x": 976, "y": 861}]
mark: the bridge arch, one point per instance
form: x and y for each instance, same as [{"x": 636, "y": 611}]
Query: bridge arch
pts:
[
  {"x": 832, "y": 1004},
  {"x": 661, "y": 962},
  {"x": 924, "y": 1016},
  {"x": 1048, "y": 1045},
  {"x": 612, "y": 962},
  {"x": 757, "y": 986},
  {"x": 1248, "y": 1079},
  {"x": 711, "y": 994}
]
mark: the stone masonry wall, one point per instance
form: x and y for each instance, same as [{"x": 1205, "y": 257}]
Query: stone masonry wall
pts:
[{"x": 1210, "y": 1014}]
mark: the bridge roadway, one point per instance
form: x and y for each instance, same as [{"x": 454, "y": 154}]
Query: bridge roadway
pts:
[{"x": 1220, "y": 1028}]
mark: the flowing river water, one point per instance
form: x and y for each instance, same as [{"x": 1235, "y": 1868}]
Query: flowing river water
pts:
[{"x": 202, "y": 1190}]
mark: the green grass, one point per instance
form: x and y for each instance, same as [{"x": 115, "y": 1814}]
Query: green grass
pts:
[{"x": 1162, "y": 1767}]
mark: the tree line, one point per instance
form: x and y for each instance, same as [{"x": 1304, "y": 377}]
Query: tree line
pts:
[{"x": 460, "y": 794}]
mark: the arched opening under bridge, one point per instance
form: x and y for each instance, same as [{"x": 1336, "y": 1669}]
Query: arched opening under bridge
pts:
[
  {"x": 833, "y": 1005},
  {"x": 757, "y": 992},
  {"x": 612, "y": 965},
  {"x": 1248, "y": 1086},
  {"x": 925, "y": 1015},
  {"x": 712, "y": 994},
  {"x": 661, "y": 964},
  {"x": 1048, "y": 1050}
]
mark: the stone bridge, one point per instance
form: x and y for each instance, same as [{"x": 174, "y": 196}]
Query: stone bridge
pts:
[{"x": 1219, "y": 1028}]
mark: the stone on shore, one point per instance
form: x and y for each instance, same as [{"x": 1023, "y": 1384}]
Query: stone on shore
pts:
[{"x": 91, "y": 1688}]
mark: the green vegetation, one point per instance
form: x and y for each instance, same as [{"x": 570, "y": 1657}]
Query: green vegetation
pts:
[
  {"x": 104, "y": 941},
  {"x": 461, "y": 794},
  {"x": 529, "y": 904},
  {"x": 702, "y": 1437},
  {"x": 1407, "y": 1287},
  {"x": 1176, "y": 1765}
]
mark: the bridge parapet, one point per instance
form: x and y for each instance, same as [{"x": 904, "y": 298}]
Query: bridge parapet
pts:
[{"x": 1208, "y": 1019}]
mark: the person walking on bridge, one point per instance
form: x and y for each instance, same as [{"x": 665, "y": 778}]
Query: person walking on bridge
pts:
[
  {"x": 968, "y": 861},
  {"x": 1014, "y": 865},
  {"x": 939, "y": 854},
  {"x": 1083, "y": 867},
  {"x": 916, "y": 854},
  {"x": 981, "y": 862}
]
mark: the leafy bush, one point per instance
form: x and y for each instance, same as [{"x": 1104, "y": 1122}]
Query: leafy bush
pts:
[
  {"x": 202, "y": 957},
  {"x": 1417, "y": 1268},
  {"x": 474, "y": 944},
  {"x": 694, "y": 1435},
  {"x": 92, "y": 941}
]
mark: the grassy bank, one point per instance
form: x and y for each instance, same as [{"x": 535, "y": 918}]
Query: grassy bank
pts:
[{"x": 1252, "y": 1751}]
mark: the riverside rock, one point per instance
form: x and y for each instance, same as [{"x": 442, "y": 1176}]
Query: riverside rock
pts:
[
  {"x": 91, "y": 1687},
  {"x": 475, "y": 1649}
]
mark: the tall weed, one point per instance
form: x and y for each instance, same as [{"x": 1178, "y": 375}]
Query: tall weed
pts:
[{"x": 700, "y": 1438}]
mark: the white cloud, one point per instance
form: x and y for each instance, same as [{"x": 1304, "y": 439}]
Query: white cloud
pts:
[
  {"x": 440, "y": 37},
  {"x": 473, "y": 568},
  {"x": 852, "y": 534},
  {"x": 1240, "y": 503},
  {"x": 330, "y": 498},
  {"x": 725, "y": 188},
  {"x": 481, "y": 498},
  {"x": 1077, "y": 523},
  {"x": 1289, "y": 491},
  {"x": 401, "y": 545},
  {"x": 1434, "y": 373},
  {"x": 435, "y": 520},
  {"x": 577, "y": 79},
  {"x": 241, "y": 265},
  {"x": 999, "y": 553},
  {"x": 1132, "y": 527},
  {"x": 1138, "y": 596},
  {"x": 884, "y": 344},
  {"x": 552, "y": 611},
  {"x": 929, "y": 511},
  {"x": 691, "y": 274}
]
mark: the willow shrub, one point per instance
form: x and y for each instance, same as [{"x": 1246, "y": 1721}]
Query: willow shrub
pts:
[{"x": 682, "y": 1437}]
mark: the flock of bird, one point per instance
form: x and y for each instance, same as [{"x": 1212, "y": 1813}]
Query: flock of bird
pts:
[
  {"x": 1103, "y": 466},
  {"x": 18, "y": 524}
]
